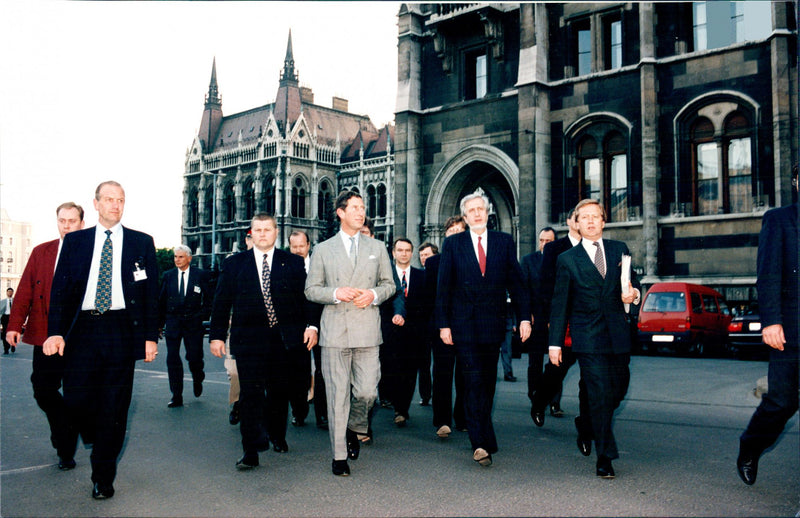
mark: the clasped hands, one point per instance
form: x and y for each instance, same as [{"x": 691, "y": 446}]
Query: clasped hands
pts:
[{"x": 360, "y": 297}]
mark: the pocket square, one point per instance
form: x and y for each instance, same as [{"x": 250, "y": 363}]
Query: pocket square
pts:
[{"x": 372, "y": 257}]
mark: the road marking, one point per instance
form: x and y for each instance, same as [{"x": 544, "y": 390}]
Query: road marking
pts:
[{"x": 25, "y": 470}]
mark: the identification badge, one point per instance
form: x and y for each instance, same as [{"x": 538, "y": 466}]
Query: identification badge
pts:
[
  {"x": 138, "y": 273},
  {"x": 197, "y": 289}
]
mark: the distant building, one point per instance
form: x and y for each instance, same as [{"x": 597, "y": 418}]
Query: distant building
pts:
[
  {"x": 681, "y": 117},
  {"x": 289, "y": 158},
  {"x": 15, "y": 248}
]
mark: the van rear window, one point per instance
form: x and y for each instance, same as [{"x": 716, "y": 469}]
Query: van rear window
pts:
[{"x": 665, "y": 301}]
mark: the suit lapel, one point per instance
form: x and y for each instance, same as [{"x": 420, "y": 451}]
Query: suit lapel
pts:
[
  {"x": 468, "y": 251},
  {"x": 587, "y": 265}
]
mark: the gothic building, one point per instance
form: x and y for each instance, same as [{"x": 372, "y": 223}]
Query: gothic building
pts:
[
  {"x": 289, "y": 158},
  {"x": 680, "y": 117}
]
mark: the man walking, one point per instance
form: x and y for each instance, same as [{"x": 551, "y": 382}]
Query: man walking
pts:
[
  {"x": 589, "y": 297},
  {"x": 351, "y": 275},
  {"x": 478, "y": 271},
  {"x": 103, "y": 317},
  {"x": 778, "y": 306},
  {"x": 30, "y": 310},
  {"x": 183, "y": 305},
  {"x": 260, "y": 297},
  {"x": 5, "y": 314}
]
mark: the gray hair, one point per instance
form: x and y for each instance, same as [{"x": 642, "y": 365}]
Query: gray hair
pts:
[
  {"x": 474, "y": 196},
  {"x": 183, "y": 248}
]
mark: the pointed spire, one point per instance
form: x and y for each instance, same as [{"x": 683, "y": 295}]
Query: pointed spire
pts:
[
  {"x": 289, "y": 74},
  {"x": 212, "y": 97}
]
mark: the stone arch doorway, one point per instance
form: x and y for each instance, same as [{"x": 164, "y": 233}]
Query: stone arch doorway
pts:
[{"x": 477, "y": 167}]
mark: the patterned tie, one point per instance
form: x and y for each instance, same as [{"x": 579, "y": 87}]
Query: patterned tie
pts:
[
  {"x": 404, "y": 284},
  {"x": 353, "y": 251},
  {"x": 265, "y": 281},
  {"x": 182, "y": 288},
  {"x": 598, "y": 260},
  {"x": 102, "y": 298},
  {"x": 481, "y": 257}
]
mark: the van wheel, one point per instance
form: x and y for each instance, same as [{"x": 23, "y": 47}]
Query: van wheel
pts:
[{"x": 698, "y": 349}]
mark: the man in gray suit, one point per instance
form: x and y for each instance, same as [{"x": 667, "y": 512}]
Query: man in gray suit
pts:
[{"x": 350, "y": 274}]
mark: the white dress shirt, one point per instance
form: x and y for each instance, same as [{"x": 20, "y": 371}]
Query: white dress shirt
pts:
[
  {"x": 185, "y": 280},
  {"x": 117, "y": 295}
]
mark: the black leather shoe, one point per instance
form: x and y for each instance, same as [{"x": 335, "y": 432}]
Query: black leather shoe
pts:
[
  {"x": 298, "y": 422},
  {"x": 340, "y": 468},
  {"x": 510, "y": 377},
  {"x": 425, "y": 402},
  {"x": 198, "y": 387},
  {"x": 175, "y": 402},
  {"x": 747, "y": 466},
  {"x": 584, "y": 443},
  {"x": 353, "y": 445},
  {"x": 102, "y": 491},
  {"x": 13, "y": 349},
  {"x": 233, "y": 418},
  {"x": 280, "y": 446},
  {"x": 604, "y": 467},
  {"x": 556, "y": 411},
  {"x": 248, "y": 461},
  {"x": 66, "y": 464},
  {"x": 322, "y": 423},
  {"x": 538, "y": 417}
]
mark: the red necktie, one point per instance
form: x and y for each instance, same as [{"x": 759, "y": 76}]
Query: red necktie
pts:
[{"x": 481, "y": 257}]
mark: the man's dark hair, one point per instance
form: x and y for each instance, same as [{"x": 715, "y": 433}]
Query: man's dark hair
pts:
[
  {"x": 402, "y": 240},
  {"x": 454, "y": 220},
  {"x": 70, "y": 205},
  {"x": 428, "y": 244},
  {"x": 263, "y": 216},
  {"x": 299, "y": 233},
  {"x": 548, "y": 229},
  {"x": 344, "y": 198},
  {"x": 369, "y": 224}
]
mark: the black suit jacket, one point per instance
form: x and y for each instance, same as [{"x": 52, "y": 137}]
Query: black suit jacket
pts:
[
  {"x": 591, "y": 304},
  {"x": 239, "y": 292},
  {"x": 777, "y": 271},
  {"x": 474, "y": 306},
  {"x": 141, "y": 296},
  {"x": 531, "y": 266},
  {"x": 550, "y": 255},
  {"x": 195, "y": 306}
]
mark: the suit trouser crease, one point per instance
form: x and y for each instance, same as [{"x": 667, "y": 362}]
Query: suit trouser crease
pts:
[
  {"x": 777, "y": 406},
  {"x": 98, "y": 383},
  {"x": 193, "y": 343},
  {"x": 606, "y": 377},
  {"x": 46, "y": 378},
  {"x": 351, "y": 385},
  {"x": 445, "y": 372},
  {"x": 479, "y": 369}
]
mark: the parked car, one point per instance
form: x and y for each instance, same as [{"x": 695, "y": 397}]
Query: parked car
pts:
[
  {"x": 744, "y": 334},
  {"x": 684, "y": 318}
]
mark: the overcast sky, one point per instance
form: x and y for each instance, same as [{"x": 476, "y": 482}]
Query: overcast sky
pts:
[{"x": 93, "y": 91}]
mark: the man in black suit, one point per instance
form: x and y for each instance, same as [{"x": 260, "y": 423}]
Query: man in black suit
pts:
[
  {"x": 260, "y": 296},
  {"x": 183, "y": 305},
  {"x": 588, "y": 296},
  {"x": 778, "y": 305},
  {"x": 103, "y": 317},
  {"x": 531, "y": 265},
  {"x": 445, "y": 370},
  {"x": 405, "y": 338},
  {"x": 478, "y": 271}
]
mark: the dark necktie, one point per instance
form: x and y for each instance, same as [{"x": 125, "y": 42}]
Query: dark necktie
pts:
[
  {"x": 182, "y": 288},
  {"x": 598, "y": 260},
  {"x": 404, "y": 284},
  {"x": 265, "y": 282},
  {"x": 481, "y": 257},
  {"x": 102, "y": 298}
]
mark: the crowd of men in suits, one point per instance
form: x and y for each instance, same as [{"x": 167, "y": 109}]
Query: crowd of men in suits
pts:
[{"x": 91, "y": 305}]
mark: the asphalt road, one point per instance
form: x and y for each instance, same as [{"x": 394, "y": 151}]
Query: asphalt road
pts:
[{"x": 677, "y": 431}]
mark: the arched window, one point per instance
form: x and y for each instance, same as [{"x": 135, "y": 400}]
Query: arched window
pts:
[
  {"x": 616, "y": 175},
  {"x": 706, "y": 167},
  {"x": 299, "y": 194},
  {"x": 208, "y": 203},
  {"x": 228, "y": 203},
  {"x": 372, "y": 202},
  {"x": 381, "y": 201},
  {"x": 738, "y": 164},
  {"x": 249, "y": 200},
  {"x": 193, "y": 208},
  {"x": 268, "y": 195},
  {"x": 325, "y": 201}
]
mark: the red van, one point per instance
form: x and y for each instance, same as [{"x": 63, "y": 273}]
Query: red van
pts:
[{"x": 683, "y": 317}]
